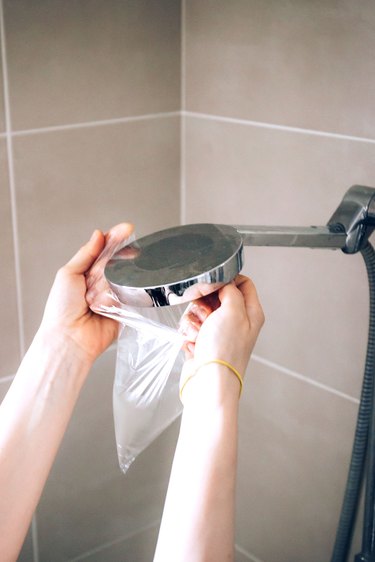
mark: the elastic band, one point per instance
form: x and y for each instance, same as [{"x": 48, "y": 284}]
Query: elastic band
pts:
[{"x": 220, "y": 362}]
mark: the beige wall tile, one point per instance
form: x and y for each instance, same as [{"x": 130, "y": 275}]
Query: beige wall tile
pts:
[
  {"x": 70, "y": 182},
  {"x": 9, "y": 340},
  {"x": 82, "y": 61},
  {"x": 88, "y": 501},
  {"x": 304, "y": 64},
  {"x": 295, "y": 443},
  {"x": 316, "y": 301}
]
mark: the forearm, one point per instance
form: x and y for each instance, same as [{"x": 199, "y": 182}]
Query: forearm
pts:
[
  {"x": 33, "y": 419},
  {"x": 198, "y": 518}
]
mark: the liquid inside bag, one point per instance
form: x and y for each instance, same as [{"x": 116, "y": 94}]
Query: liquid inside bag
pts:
[{"x": 146, "y": 387}]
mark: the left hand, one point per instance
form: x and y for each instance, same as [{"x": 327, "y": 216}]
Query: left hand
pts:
[{"x": 67, "y": 314}]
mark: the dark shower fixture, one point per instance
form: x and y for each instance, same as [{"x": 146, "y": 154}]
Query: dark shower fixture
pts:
[{"x": 183, "y": 263}]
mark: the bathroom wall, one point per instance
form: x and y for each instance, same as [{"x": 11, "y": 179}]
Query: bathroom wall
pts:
[
  {"x": 89, "y": 137},
  {"x": 278, "y": 122}
]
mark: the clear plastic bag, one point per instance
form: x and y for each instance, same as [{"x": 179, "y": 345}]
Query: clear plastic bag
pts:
[{"x": 148, "y": 366}]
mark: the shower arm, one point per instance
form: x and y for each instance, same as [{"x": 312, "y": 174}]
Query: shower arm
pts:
[{"x": 348, "y": 229}]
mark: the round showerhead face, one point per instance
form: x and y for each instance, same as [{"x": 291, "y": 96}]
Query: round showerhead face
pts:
[{"x": 175, "y": 265}]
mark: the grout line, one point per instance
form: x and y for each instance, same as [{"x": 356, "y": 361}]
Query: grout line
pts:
[
  {"x": 7, "y": 378},
  {"x": 99, "y": 123},
  {"x": 17, "y": 264},
  {"x": 116, "y": 541},
  {"x": 287, "y": 128},
  {"x": 303, "y": 378},
  {"x": 184, "y": 113},
  {"x": 12, "y": 188},
  {"x": 251, "y": 557},
  {"x": 183, "y": 119},
  {"x": 35, "y": 537},
  {"x": 183, "y": 56},
  {"x": 183, "y": 170}
]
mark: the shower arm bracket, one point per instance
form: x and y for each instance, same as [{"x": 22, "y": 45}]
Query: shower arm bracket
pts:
[{"x": 348, "y": 229}]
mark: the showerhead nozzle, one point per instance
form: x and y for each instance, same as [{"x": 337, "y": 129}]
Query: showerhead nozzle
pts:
[{"x": 176, "y": 265}]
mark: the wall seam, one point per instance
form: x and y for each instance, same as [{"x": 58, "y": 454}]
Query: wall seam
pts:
[
  {"x": 182, "y": 117},
  {"x": 272, "y": 365},
  {"x": 98, "y": 123},
  {"x": 9, "y": 149},
  {"x": 275, "y": 127},
  {"x": 248, "y": 555},
  {"x": 7, "y": 378},
  {"x": 184, "y": 114},
  {"x": 106, "y": 545},
  {"x": 17, "y": 262},
  {"x": 303, "y": 378}
]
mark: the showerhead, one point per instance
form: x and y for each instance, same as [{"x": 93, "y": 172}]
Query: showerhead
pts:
[
  {"x": 176, "y": 265},
  {"x": 183, "y": 263}
]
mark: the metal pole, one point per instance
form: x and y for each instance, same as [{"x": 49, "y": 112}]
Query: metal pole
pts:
[{"x": 330, "y": 236}]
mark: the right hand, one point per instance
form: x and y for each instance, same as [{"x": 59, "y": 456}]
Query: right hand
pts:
[{"x": 226, "y": 330}]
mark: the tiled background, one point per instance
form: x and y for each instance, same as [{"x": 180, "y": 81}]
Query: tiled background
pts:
[{"x": 194, "y": 110}]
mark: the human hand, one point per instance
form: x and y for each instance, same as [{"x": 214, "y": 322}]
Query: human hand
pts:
[
  {"x": 67, "y": 314},
  {"x": 223, "y": 326}
]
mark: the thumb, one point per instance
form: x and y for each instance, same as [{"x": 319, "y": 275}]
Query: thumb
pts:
[
  {"x": 87, "y": 254},
  {"x": 230, "y": 295}
]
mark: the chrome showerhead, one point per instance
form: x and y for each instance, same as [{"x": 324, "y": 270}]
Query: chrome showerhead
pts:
[
  {"x": 176, "y": 265},
  {"x": 183, "y": 263}
]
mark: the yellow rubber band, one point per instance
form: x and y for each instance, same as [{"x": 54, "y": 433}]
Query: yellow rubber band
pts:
[{"x": 220, "y": 362}]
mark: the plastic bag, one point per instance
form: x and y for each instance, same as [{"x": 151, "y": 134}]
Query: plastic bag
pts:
[{"x": 148, "y": 366}]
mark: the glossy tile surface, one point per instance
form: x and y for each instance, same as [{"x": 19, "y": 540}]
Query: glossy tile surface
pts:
[
  {"x": 9, "y": 338},
  {"x": 315, "y": 301},
  {"x": 72, "y": 62},
  {"x": 300, "y": 63},
  {"x": 295, "y": 443},
  {"x": 88, "y": 502},
  {"x": 71, "y": 182}
]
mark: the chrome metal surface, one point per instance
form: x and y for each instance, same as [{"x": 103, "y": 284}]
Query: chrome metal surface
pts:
[
  {"x": 183, "y": 263},
  {"x": 176, "y": 265},
  {"x": 348, "y": 229},
  {"x": 332, "y": 236}
]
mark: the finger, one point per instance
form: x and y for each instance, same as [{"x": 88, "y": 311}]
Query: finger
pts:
[
  {"x": 252, "y": 302},
  {"x": 189, "y": 331},
  {"x": 198, "y": 310},
  {"x": 127, "y": 253},
  {"x": 112, "y": 241},
  {"x": 188, "y": 348},
  {"x": 87, "y": 254},
  {"x": 230, "y": 295},
  {"x": 119, "y": 232}
]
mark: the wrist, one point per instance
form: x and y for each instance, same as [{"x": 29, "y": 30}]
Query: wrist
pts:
[
  {"x": 60, "y": 354},
  {"x": 57, "y": 338},
  {"x": 211, "y": 384}
]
